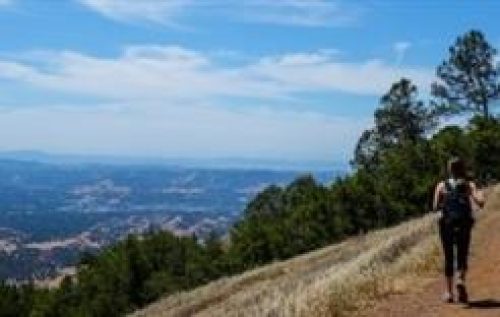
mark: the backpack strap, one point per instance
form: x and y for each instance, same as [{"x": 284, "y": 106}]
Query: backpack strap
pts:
[{"x": 449, "y": 186}]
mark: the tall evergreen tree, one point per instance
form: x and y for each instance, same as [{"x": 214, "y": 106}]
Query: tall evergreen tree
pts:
[
  {"x": 401, "y": 118},
  {"x": 469, "y": 78}
]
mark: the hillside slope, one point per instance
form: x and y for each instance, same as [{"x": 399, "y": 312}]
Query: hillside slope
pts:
[{"x": 383, "y": 273}]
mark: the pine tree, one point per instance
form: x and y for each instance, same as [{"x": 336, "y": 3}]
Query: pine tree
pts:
[{"x": 469, "y": 78}]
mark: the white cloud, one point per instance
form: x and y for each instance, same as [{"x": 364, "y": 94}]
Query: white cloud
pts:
[
  {"x": 308, "y": 13},
  {"x": 172, "y": 101},
  {"x": 157, "y": 11},
  {"x": 320, "y": 73},
  {"x": 400, "y": 48},
  {"x": 171, "y": 72}
]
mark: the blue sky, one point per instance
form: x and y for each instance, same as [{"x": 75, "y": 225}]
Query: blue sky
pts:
[{"x": 280, "y": 79}]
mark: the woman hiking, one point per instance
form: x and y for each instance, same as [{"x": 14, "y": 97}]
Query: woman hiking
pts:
[{"x": 455, "y": 198}]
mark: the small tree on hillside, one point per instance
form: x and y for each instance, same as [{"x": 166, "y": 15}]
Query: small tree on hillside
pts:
[{"x": 469, "y": 78}]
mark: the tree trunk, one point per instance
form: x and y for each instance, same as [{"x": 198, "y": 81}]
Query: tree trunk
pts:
[{"x": 486, "y": 110}]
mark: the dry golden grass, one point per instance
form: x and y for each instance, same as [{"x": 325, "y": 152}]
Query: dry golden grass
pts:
[
  {"x": 334, "y": 281},
  {"x": 340, "y": 280}
]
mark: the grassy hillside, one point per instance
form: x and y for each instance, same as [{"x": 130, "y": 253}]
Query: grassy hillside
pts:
[
  {"x": 338, "y": 280},
  {"x": 330, "y": 281}
]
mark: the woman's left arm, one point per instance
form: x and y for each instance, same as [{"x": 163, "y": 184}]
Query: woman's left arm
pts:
[{"x": 476, "y": 195}]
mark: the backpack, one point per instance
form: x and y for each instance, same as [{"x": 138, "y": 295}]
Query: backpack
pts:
[{"x": 457, "y": 206}]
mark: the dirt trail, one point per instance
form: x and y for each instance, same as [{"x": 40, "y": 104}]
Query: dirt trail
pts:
[{"x": 483, "y": 280}]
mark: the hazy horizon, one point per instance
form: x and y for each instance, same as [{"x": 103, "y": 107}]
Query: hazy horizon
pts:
[{"x": 186, "y": 162}]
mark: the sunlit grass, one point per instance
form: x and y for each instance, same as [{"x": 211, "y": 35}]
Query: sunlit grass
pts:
[{"x": 339, "y": 280}]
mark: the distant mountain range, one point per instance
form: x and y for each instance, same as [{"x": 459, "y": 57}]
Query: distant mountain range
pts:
[{"x": 217, "y": 163}]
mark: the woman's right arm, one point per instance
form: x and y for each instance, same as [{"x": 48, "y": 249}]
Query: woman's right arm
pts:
[{"x": 438, "y": 196}]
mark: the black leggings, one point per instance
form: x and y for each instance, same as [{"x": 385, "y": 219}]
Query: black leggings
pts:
[{"x": 455, "y": 234}]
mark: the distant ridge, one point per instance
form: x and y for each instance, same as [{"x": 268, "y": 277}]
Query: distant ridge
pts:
[{"x": 215, "y": 163}]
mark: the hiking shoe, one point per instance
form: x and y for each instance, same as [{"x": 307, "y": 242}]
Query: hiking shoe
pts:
[
  {"x": 463, "y": 297},
  {"x": 447, "y": 298}
]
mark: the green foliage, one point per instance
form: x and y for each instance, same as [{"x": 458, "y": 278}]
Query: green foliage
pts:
[
  {"x": 469, "y": 78},
  {"x": 122, "y": 278},
  {"x": 16, "y": 301},
  {"x": 401, "y": 118},
  {"x": 451, "y": 140},
  {"x": 280, "y": 223},
  {"x": 485, "y": 140}
]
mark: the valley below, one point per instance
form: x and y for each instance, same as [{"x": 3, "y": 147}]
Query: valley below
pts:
[{"x": 53, "y": 214}]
